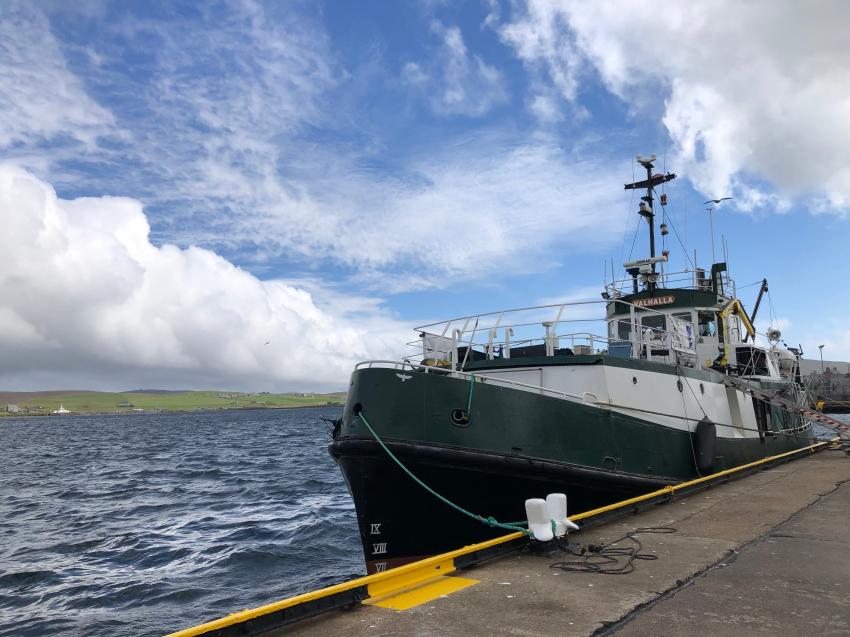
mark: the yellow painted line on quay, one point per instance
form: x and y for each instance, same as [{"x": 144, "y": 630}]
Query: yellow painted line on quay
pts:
[
  {"x": 424, "y": 591},
  {"x": 378, "y": 584},
  {"x": 399, "y": 585}
]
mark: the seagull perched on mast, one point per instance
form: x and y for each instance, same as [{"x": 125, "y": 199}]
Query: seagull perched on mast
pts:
[{"x": 716, "y": 200}]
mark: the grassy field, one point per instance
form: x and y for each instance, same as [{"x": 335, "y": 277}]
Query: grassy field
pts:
[{"x": 36, "y": 403}]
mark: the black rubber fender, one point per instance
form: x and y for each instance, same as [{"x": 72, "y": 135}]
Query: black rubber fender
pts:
[{"x": 705, "y": 445}]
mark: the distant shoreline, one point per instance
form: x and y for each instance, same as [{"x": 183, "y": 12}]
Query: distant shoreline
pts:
[
  {"x": 91, "y": 403},
  {"x": 157, "y": 412}
]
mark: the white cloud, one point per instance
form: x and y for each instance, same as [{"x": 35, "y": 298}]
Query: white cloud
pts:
[
  {"x": 221, "y": 157},
  {"x": 759, "y": 89},
  {"x": 208, "y": 111},
  {"x": 494, "y": 13},
  {"x": 85, "y": 295},
  {"x": 228, "y": 96},
  {"x": 835, "y": 339},
  {"x": 455, "y": 82},
  {"x": 543, "y": 41},
  {"x": 763, "y": 325},
  {"x": 834, "y": 335},
  {"x": 545, "y": 107},
  {"x": 478, "y": 208},
  {"x": 413, "y": 75},
  {"x": 576, "y": 295},
  {"x": 40, "y": 100}
]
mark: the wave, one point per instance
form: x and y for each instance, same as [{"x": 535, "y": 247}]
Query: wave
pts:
[{"x": 171, "y": 519}]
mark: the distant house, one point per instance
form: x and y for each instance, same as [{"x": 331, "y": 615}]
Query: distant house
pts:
[
  {"x": 13, "y": 409},
  {"x": 125, "y": 403}
]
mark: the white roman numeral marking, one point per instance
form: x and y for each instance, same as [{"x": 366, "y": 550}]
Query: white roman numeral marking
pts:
[
  {"x": 380, "y": 547},
  {"x": 380, "y": 567},
  {"x": 376, "y": 528}
]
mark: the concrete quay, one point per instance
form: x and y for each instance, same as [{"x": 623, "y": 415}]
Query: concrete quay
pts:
[{"x": 768, "y": 554}]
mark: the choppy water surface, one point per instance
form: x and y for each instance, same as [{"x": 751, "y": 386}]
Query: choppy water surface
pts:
[{"x": 138, "y": 525}]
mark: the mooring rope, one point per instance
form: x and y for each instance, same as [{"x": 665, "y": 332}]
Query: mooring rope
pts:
[
  {"x": 489, "y": 521},
  {"x": 607, "y": 559}
]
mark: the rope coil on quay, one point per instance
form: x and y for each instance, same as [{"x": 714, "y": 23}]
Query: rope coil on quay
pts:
[{"x": 604, "y": 559}]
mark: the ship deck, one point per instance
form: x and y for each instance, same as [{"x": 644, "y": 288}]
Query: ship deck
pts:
[{"x": 764, "y": 554}]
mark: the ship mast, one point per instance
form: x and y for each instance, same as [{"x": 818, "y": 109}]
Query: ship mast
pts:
[{"x": 647, "y": 212}]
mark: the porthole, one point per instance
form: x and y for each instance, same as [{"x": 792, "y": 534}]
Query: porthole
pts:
[
  {"x": 634, "y": 380},
  {"x": 680, "y": 385},
  {"x": 701, "y": 388}
]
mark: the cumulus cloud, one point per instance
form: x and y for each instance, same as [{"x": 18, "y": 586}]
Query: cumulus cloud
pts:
[
  {"x": 217, "y": 149},
  {"x": 85, "y": 295},
  {"x": 454, "y": 81},
  {"x": 753, "y": 92}
]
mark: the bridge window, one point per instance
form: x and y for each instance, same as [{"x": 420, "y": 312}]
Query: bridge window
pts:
[
  {"x": 620, "y": 330},
  {"x": 654, "y": 322},
  {"x": 707, "y": 323},
  {"x": 684, "y": 316}
]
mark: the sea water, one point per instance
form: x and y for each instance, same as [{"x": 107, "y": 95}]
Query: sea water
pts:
[{"x": 144, "y": 524}]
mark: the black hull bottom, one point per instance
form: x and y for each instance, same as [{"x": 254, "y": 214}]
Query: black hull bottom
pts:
[{"x": 401, "y": 522}]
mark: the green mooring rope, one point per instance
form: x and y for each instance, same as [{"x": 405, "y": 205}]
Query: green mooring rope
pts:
[{"x": 489, "y": 521}]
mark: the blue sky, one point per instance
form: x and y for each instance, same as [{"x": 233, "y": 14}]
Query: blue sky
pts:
[{"x": 321, "y": 176}]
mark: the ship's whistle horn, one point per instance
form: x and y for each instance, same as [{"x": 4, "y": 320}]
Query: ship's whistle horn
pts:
[
  {"x": 539, "y": 522},
  {"x": 556, "y": 505}
]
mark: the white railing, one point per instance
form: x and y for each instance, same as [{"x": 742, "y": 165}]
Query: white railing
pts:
[
  {"x": 698, "y": 279},
  {"x": 505, "y": 334}
]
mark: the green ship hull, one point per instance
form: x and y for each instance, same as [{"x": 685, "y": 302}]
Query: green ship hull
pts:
[{"x": 513, "y": 445}]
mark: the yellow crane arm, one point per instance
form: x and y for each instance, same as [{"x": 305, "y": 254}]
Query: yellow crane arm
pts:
[{"x": 733, "y": 307}]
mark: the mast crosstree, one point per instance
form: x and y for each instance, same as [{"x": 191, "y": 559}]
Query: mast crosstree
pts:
[{"x": 646, "y": 210}]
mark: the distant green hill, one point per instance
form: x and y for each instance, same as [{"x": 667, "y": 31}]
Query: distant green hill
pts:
[{"x": 44, "y": 402}]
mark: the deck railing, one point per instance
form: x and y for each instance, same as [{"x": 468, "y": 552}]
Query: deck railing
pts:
[
  {"x": 549, "y": 330},
  {"x": 697, "y": 279}
]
